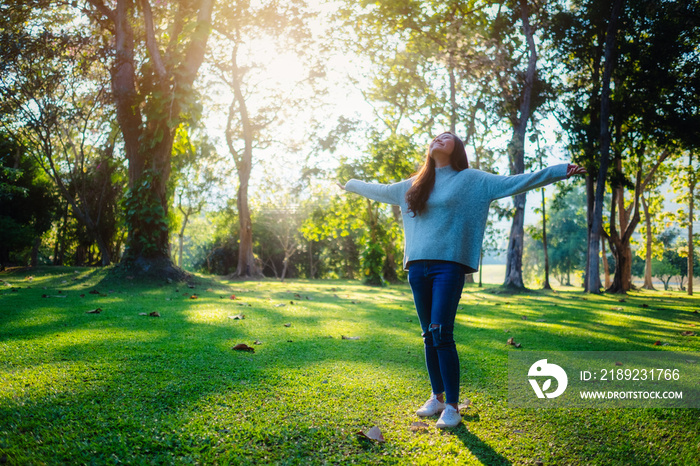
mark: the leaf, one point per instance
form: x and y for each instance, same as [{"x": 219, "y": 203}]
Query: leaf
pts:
[
  {"x": 511, "y": 341},
  {"x": 243, "y": 347},
  {"x": 194, "y": 296},
  {"x": 419, "y": 427},
  {"x": 233, "y": 296},
  {"x": 94, "y": 311},
  {"x": 617, "y": 363},
  {"x": 143, "y": 313},
  {"x": 546, "y": 385},
  {"x": 540, "y": 320},
  {"x": 154, "y": 314},
  {"x": 523, "y": 317},
  {"x": 287, "y": 325},
  {"x": 373, "y": 434},
  {"x": 657, "y": 343},
  {"x": 688, "y": 333},
  {"x": 257, "y": 342},
  {"x": 464, "y": 405},
  {"x": 237, "y": 317},
  {"x": 349, "y": 338}
]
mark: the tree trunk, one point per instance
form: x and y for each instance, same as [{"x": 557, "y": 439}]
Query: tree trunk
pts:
[
  {"x": 546, "y": 285},
  {"x": 516, "y": 151},
  {"x": 247, "y": 265},
  {"x": 148, "y": 141},
  {"x": 593, "y": 271},
  {"x": 648, "y": 284},
  {"x": 606, "y": 266},
  {"x": 691, "y": 248}
]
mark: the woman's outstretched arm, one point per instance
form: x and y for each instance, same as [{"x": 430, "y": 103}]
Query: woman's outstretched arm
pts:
[
  {"x": 504, "y": 186},
  {"x": 387, "y": 193}
]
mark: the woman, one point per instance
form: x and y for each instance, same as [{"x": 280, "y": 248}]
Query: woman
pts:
[{"x": 444, "y": 208}]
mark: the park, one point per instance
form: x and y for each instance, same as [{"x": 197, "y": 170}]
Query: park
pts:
[{"x": 239, "y": 232}]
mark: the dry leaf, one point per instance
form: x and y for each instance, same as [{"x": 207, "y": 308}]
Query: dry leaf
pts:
[
  {"x": 657, "y": 343},
  {"x": 540, "y": 320},
  {"x": 287, "y": 325},
  {"x": 194, "y": 296},
  {"x": 233, "y": 296},
  {"x": 511, "y": 341},
  {"x": 419, "y": 427},
  {"x": 94, "y": 311},
  {"x": 349, "y": 338},
  {"x": 237, "y": 317},
  {"x": 373, "y": 434},
  {"x": 464, "y": 405},
  {"x": 688, "y": 334},
  {"x": 243, "y": 347},
  {"x": 257, "y": 342},
  {"x": 143, "y": 313},
  {"x": 645, "y": 305},
  {"x": 280, "y": 305},
  {"x": 154, "y": 314}
]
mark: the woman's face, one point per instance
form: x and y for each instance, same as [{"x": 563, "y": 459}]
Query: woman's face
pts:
[{"x": 441, "y": 147}]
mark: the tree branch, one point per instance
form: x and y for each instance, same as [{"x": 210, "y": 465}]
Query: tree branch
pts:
[{"x": 151, "y": 40}]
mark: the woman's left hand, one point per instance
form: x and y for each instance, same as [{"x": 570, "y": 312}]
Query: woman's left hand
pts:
[{"x": 573, "y": 169}]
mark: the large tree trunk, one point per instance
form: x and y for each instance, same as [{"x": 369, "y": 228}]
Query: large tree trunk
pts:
[
  {"x": 648, "y": 284},
  {"x": 148, "y": 142},
  {"x": 516, "y": 151},
  {"x": 593, "y": 272},
  {"x": 606, "y": 266}
]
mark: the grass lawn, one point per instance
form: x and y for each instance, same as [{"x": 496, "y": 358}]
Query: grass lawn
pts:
[{"x": 120, "y": 387}]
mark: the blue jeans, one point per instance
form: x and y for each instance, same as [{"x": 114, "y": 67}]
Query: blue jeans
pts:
[{"x": 437, "y": 288}]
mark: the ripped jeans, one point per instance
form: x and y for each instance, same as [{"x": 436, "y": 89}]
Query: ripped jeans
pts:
[{"x": 437, "y": 288}]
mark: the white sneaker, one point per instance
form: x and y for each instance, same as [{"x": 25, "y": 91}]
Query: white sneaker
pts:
[
  {"x": 450, "y": 417},
  {"x": 431, "y": 407}
]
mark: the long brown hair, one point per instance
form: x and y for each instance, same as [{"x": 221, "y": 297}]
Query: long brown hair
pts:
[{"x": 419, "y": 192}]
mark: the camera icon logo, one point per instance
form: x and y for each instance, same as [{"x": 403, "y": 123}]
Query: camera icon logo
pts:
[{"x": 542, "y": 368}]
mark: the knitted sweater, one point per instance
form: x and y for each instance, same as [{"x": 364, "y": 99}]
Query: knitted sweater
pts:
[{"x": 451, "y": 227}]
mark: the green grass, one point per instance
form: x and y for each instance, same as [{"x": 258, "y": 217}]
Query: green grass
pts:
[{"x": 119, "y": 387}]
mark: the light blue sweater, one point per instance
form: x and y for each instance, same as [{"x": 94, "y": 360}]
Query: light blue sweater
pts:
[{"x": 451, "y": 227}]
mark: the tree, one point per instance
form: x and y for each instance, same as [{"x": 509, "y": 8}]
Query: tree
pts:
[
  {"x": 28, "y": 205},
  {"x": 53, "y": 93},
  {"x": 255, "y": 110},
  {"x": 155, "y": 53}
]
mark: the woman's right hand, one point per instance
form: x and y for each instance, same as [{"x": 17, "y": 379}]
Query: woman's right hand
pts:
[{"x": 341, "y": 186}]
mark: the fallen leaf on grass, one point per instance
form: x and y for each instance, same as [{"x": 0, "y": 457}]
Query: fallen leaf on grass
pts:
[
  {"x": 419, "y": 427},
  {"x": 688, "y": 334},
  {"x": 519, "y": 431},
  {"x": 540, "y": 320},
  {"x": 645, "y": 305},
  {"x": 194, "y": 296},
  {"x": 233, "y": 296},
  {"x": 343, "y": 337},
  {"x": 280, "y": 305},
  {"x": 94, "y": 311},
  {"x": 523, "y": 317},
  {"x": 373, "y": 434},
  {"x": 657, "y": 343},
  {"x": 243, "y": 347},
  {"x": 287, "y": 325},
  {"x": 616, "y": 309},
  {"x": 617, "y": 363},
  {"x": 464, "y": 405},
  {"x": 154, "y": 314},
  {"x": 237, "y": 317},
  {"x": 257, "y": 342},
  {"x": 511, "y": 341}
]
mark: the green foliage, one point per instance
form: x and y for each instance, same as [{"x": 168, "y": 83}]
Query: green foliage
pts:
[
  {"x": 28, "y": 203},
  {"x": 145, "y": 216}
]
